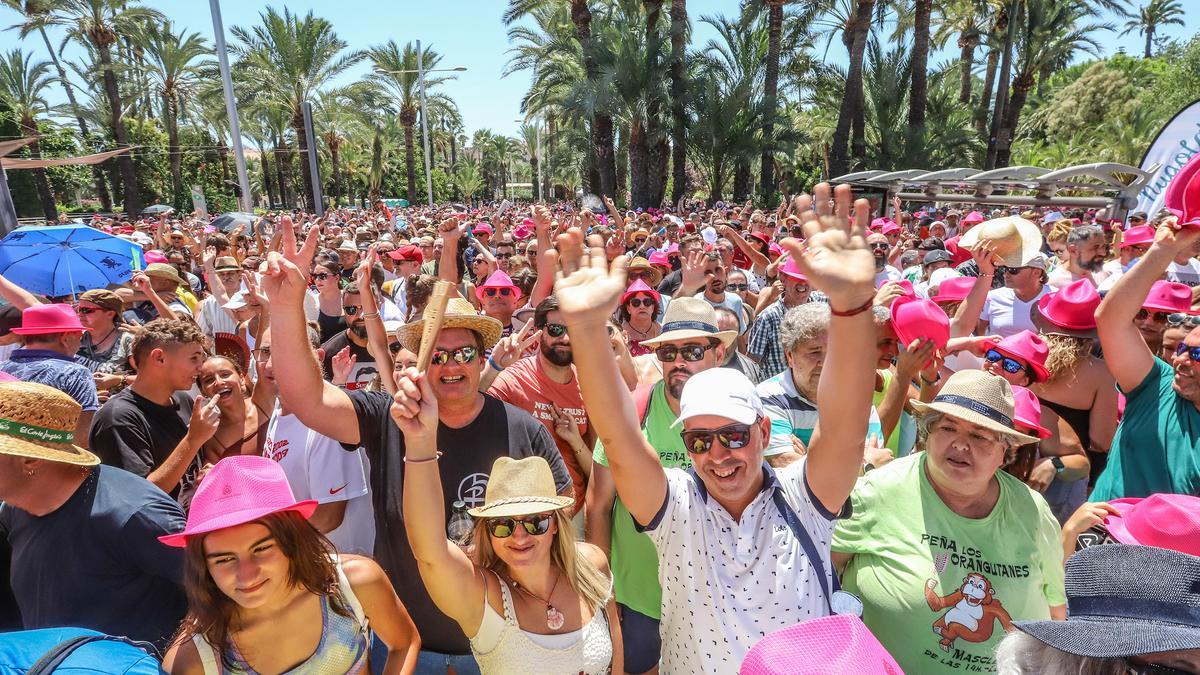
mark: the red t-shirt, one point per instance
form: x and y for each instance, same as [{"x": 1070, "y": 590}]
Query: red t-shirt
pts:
[{"x": 524, "y": 385}]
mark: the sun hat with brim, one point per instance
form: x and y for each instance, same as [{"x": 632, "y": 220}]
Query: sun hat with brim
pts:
[
  {"x": 1162, "y": 520},
  {"x": 1169, "y": 296},
  {"x": 953, "y": 290},
  {"x": 1027, "y": 411},
  {"x": 164, "y": 271},
  {"x": 660, "y": 259},
  {"x": 460, "y": 313},
  {"x": 49, "y": 319},
  {"x": 972, "y": 218},
  {"x": 641, "y": 264},
  {"x": 1016, "y": 239},
  {"x": 1030, "y": 348},
  {"x": 38, "y": 421},
  {"x": 639, "y": 286},
  {"x": 234, "y": 348},
  {"x": 689, "y": 318},
  {"x": 520, "y": 487},
  {"x": 1126, "y": 600},
  {"x": 840, "y": 643},
  {"x": 1069, "y": 311},
  {"x": 914, "y": 317},
  {"x": 347, "y": 246},
  {"x": 979, "y": 398},
  {"x": 1138, "y": 235},
  {"x": 1182, "y": 197},
  {"x": 227, "y": 263},
  {"x": 498, "y": 279},
  {"x": 105, "y": 299},
  {"x": 791, "y": 270},
  {"x": 239, "y": 490}
]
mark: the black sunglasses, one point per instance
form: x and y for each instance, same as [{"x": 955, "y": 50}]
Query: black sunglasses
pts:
[
  {"x": 1192, "y": 352},
  {"x": 461, "y": 356},
  {"x": 321, "y": 276},
  {"x": 1153, "y": 669},
  {"x": 692, "y": 353},
  {"x": 732, "y": 436},
  {"x": 505, "y": 256},
  {"x": 880, "y": 245},
  {"x": 503, "y": 528},
  {"x": 85, "y": 310},
  {"x": 555, "y": 330},
  {"x": 1009, "y": 365},
  {"x": 642, "y": 302},
  {"x": 738, "y": 287},
  {"x": 1181, "y": 319},
  {"x": 1156, "y": 317},
  {"x": 351, "y": 310},
  {"x": 493, "y": 292},
  {"x": 395, "y": 348}
]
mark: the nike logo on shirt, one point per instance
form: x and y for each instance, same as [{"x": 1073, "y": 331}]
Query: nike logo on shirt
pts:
[{"x": 334, "y": 492}]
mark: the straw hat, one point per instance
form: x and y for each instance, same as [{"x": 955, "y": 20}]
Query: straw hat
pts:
[
  {"x": 519, "y": 487},
  {"x": 639, "y": 264},
  {"x": 161, "y": 270},
  {"x": 1017, "y": 240},
  {"x": 979, "y": 398},
  {"x": 39, "y": 421},
  {"x": 690, "y": 318},
  {"x": 459, "y": 314}
]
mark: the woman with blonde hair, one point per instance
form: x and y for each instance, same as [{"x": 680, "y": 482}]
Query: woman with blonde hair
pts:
[{"x": 529, "y": 596}]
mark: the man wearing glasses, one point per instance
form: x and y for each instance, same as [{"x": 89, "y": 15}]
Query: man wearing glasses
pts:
[
  {"x": 1157, "y": 445},
  {"x": 880, "y": 248},
  {"x": 354, "y": 338}
]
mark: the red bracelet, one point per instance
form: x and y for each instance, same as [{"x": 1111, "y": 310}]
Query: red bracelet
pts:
[{"x": 857, "y": 310}]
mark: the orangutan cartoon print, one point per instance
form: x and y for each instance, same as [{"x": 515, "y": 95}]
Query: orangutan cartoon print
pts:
[{"x": 973, "y": 611}]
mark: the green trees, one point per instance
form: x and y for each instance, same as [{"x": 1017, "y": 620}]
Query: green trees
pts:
[{"x": 23, "y": 85}]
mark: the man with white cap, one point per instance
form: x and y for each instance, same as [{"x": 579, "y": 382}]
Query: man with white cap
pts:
[{"x": 724, "y": 530}]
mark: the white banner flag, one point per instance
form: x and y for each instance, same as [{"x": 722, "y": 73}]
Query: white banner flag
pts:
[{"x": 1176, "y": 144}]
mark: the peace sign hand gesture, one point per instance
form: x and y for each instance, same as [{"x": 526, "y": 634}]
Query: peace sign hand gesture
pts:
[{"x": 834, "y": 255}]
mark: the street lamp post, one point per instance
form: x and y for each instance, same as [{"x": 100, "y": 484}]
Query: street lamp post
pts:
[
  {"x": 420, "y": 71},
  {"x": 235, "y": 127}
]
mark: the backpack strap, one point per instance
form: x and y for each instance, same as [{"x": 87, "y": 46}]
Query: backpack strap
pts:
[
  {"x": 60, "y": 652},
  {"x": 641, "y": 402},
  {"x": 208, "y": 655}
]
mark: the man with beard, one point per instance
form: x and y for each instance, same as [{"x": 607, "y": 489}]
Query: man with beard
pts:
[
  {"x": 1086, "y": 250},
  {"x": 880, "y": 247},
  {"x": 765, "y": 349},
  {"x": 717, "y": 277},
  {"x": 545, "y": 385},
  {"x": 1157, "y": 445},
  {"x": 690, "y": 342},
  {"x": 353, "y": 338}
]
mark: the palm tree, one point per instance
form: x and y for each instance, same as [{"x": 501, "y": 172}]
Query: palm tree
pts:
[
  {"x": 338, "y": 118},
  {"x": 1152, "y": 15},
  {"x": 36, "y": 12},
  {"x": 466, "y": 178},
  {"x": 530, "y": 137},
  {"x": 857, "y": 28},
  {"x": 100, "y": 24},
  {"x": 23, "y": 85},
  {"x": 396, "y": 73},
  {"x": 174, "y": 71},
  {"x": 679, "y": 39},
  {"x": 919, "y": 90},
  {"x": 289, "y": 59},
  {"x": 963, "y": 21}
]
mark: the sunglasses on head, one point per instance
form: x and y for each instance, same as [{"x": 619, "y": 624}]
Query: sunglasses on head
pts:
[
  {"x": 503, "y": 528},
  {"x": 493, "y": 292},
  {"x": 1156, "y": 317},
  {"x": 555, "y": 330},
  {"x": 692, "y": 353},
  {"x": 1009, "y": 365},
  {"x": 642, "y": 302},
  {"x": 461, "y": 356},
  {"x": 1181, "y": 319},
  {"x": 732, "y": 436},
  {"x": 351, "y": 310},
  {"x": 1192, "y": 352}
]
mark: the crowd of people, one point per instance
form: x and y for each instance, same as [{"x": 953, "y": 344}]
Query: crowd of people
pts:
[{"x": 836, "y": 436}]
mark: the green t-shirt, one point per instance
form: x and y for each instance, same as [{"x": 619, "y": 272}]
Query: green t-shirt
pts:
[
  {"x": 1157, "y": 446},
  {"x": 905, "y": 434},
  {"x": 633, "y": 560},
  {"x": 917, "y": 565}
]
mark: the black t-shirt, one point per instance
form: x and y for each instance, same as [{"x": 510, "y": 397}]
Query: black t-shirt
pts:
[
  {"x": 500, "y": 430},
  {"x": 671, "y": 283},
  {"x": 330, "y": 325},
  {"x": 364, "y": 369},
  {"x": 96, "y": 561},
  {"x": 136, "y": 434}
]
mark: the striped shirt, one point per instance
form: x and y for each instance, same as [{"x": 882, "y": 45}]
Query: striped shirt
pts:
[{"x": 794, "y": 416}]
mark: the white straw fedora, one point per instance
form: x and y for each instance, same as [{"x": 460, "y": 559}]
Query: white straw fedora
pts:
[
  {"x": 979, "y": 398},
  {"x": 519, "y": 487}
]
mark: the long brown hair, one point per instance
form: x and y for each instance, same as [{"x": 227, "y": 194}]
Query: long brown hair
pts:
[{"x": 212, "y": 614}]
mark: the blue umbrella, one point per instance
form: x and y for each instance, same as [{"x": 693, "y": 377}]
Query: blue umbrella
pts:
[{"x": 66, "y": 260}]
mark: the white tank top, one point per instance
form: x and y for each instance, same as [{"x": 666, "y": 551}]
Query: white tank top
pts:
[{"x": 501, "y": 646}]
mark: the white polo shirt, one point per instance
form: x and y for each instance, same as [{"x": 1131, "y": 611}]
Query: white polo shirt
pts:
[{"x": 728, "y": 583}]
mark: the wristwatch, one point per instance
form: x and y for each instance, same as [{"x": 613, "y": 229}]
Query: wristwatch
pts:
[
  {"x": 867, "y": 466},
  {"x": 1058, "y": 464}
]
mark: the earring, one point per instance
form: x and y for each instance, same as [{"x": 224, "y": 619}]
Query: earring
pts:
[{"x": 31, "y": 473}]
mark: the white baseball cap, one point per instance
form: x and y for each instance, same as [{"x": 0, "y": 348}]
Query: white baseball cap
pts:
[
  {"x": 238, "y": 301},
  {"x": 723, "y": 392}
]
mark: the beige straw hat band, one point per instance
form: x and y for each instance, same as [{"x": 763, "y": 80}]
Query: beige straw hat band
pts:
[{"x": 34, "y": 432}]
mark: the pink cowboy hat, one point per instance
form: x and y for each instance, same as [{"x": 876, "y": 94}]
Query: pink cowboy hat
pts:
[
  {"x": 914, "y": 317},
  {"x": 1138, "y": 235},
  {"x": 904, "y": 284},
  {"x": 482, "y": 228},
  {"x": 47, "y": 319},
  {"x": 239, "y": 490},
  {"x": 1027, "y": 410},
  {"x": 660, "y": 259},
  {"x": 954, "y": 290},
  {"x": 154, "y": 256},
  {"x": 972, "y": 218},
  {"x": 524, "y": 231},
  {"x": 840, "y": 643},
  {"x": 890, "y": 228},
  {"x": 1182, "y": 197},
  {"x": 1162, "y": 520},
  {"x": 498, "y": 279},
  {"x": 1069, "y": 311},
  {"x": 879, "y": 223},
  {"x": 639, "y": 286},
  {"x": 1030, "y": 348},
  {"x": 791, "y": 270},
  {"x": 1169, "y": 296}
]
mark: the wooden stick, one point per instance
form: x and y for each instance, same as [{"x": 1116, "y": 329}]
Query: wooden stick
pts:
[{"x": 435, "y": 314}]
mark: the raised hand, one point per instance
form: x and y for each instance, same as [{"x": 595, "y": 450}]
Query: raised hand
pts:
[
  {"x": 984, "y": 254},
  {"x": 875, "y": 453},
  {"x": 588, "y": 287},
  {"x": 343, "y": 364},
  {"x": 510, "y": 348},
  {"x": 285, "y": 279},
  {"x": 694, "y": 277},
  {"x": 913, "y": 357},
  {"x": 206, "y": 417},
  {"x": 1174, "y": 236},
  {"x": 414, "y": 408},
  {"x": 450, "y": 231},
  {"x": 615, "y": 247},
  {"x": 565, "y": 427},
  {"x": 362, "y": 273},
  {"x": 834, "y": 255}
]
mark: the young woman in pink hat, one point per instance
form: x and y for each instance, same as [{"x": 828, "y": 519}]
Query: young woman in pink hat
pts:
[{"x": 267, "y": 593}]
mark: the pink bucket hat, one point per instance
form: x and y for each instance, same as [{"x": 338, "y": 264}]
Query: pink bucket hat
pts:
[
  {"x": 1069, "y": 311},
  {"x": 1182, "y": 197},
  {"x": 880, "y": 223},
  {"x": 660, "y": 259},
  {"x": 840, "y": 643},
  {"x": 1027, "y": 410},
  {"x": 904, "y": 284},
  {"x": 1028, "y": 347},
  {"x": 1138, "y": 235},
  {"x": 48, "y": 319},
  {"x": 1169, "y": 296},
  {"x": 639, "y": 286},
  {"x": 239, "y": 490},
  {"x": 954, "y": 290},
  {"x": 498, "y": 279},
  {"x": 972, "y": 218},
  {"x": 154, "y": 256},
  {"x": 890, "y": 228},
  {"x": 914, "y": 317},
  {"x": 1162, "y": 520}
]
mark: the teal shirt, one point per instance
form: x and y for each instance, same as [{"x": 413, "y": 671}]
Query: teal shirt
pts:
[{"x": 1157, "y": 446}]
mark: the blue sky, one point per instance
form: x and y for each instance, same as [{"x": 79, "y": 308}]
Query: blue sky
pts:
[{"x": 466, "y": 32}]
